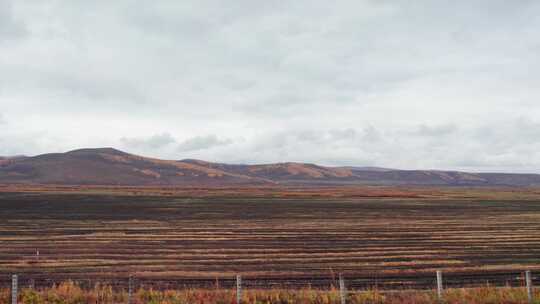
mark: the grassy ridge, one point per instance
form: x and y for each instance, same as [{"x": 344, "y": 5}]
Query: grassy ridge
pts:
[{"x": 69, "y": 293}]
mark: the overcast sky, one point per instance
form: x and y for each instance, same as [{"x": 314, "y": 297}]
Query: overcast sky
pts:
[{"x": 404, "y": 84}]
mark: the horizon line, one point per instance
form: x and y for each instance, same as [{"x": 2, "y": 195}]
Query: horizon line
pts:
[{"x": 279, "y": 162}]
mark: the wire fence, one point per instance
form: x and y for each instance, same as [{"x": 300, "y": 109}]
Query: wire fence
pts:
[
  {"x": 346, "y": 284},
  {"x": 354, "y": 282}
]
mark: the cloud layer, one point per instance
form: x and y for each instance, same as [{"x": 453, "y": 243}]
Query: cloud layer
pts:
[{"x": 451, "y": 85}]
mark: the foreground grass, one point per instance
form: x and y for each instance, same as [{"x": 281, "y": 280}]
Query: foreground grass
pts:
[{"x": 70, "y": 293}]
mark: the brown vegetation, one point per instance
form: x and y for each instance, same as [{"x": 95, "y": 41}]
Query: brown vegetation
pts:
[
  {"x": 274, "y": 238},
  {"x": 108, "y": 166},
  {"x": 70, "y": 293}
]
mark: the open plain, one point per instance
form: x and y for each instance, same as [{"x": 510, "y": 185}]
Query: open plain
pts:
[{"x": 271, "y": 237}]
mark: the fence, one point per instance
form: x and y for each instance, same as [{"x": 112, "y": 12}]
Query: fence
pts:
[
  {"x": 345, "y": 285},
  {"x": 355, "y": 281}
]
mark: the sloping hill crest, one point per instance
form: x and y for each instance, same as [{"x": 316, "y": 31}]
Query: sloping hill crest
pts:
[{"x": 109, "y": 166}]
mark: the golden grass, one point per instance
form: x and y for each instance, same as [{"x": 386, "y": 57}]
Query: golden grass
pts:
[{"x": 69, "y": 293}]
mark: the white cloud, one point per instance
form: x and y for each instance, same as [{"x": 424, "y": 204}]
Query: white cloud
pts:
[
  {"x": 11, "y": 28},
  {"x": 153, "y": 142},
  {"x": 438, "y": 130},
  {"x": 202, "y": 143},
  {"x": 411, "y": 85}
]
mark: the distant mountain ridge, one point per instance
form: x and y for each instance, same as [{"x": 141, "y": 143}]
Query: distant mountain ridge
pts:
[{"x": 108, "y": 166}]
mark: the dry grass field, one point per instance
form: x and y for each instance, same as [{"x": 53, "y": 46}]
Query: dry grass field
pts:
[
  {"x": 378, "y": 238},
  {"x": 70, "y": 293}
]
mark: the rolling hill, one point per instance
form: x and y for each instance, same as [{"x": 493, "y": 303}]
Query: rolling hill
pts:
[{"x": 108, "y": 166}]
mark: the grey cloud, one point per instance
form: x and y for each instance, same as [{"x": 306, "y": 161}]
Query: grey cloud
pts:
[
  {"x": 153, "y": 142},
  {"x": 433, "y": 147},
  {"x": 202, "y": 143},
  {"x": 368, "y": 134},
  {"x": 343, "y": 134},
  {"x": 98, "y": 89},
  {"x": 385, "y": 83},
  {"x": 436, "y": 130},
  {"x": 372, "y": 134},
  {"x": 529, "y": 129},
  {"x": 309, "y": 136},
  {"x": 10, "y": 27},
  {"x": 515, "y": 138},
  {"x": 295, "y": 143},
  {"x": 493, "y": 146}
]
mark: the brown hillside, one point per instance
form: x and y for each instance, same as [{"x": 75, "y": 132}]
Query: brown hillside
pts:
[{"x": 108, "y": 166}]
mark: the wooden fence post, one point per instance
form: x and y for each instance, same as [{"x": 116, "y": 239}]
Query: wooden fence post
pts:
[
  {"x": 528, "y": 282},
  {"x": 130, "y": 289},
  {"x": 342, "y": 290},
  {"x": 14, "y": 281},
  {"x": 439, "y": 285},
  {"x": 238, "y": 289}
]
